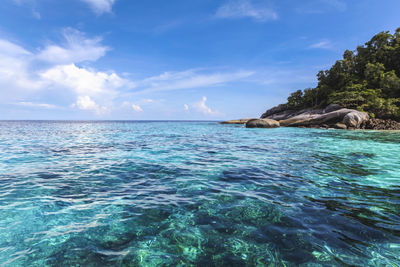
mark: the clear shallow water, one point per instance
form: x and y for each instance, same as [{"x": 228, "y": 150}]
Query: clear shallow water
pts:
[{"x": 196, "y": 193}]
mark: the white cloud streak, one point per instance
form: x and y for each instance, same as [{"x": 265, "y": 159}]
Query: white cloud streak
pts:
[
  {"x": 37, "y": 105},
  {"x": 169, "y": 81},
  {"x": 235, "y": 9},
  {"x": 77, "y": 48},
  {"x": 100, "y": 6},
  {"x": 324, "y": 44}
]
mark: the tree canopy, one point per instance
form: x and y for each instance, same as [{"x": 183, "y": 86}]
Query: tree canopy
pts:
[{"x": 366, "y": 79}]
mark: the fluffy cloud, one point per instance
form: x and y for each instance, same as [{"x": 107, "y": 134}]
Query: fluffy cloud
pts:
[
  {"x": 23, "y": 74},
  {"x": 77, "y": 48},
  {"x": 137, "y": 108},
  {"x": 244, "y": 8},
  {"x": 54, "y": 72},
  {"x": 84, "y": 81},
  {"x": 186, "y": 107},
  {"x": 100, "y": 6},
  {"x": 86, "y": 103},
  {"x": 203, "y": 108}
]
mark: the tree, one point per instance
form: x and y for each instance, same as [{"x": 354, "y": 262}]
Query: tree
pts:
[
  {"x": 367, "y": 79},
  {"x": 295, "y": 100}
]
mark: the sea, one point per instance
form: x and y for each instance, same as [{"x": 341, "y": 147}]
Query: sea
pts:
[{"x": 174, "y": 193}]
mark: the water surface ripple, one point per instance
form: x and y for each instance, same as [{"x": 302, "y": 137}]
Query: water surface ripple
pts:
[{"x": 197, "y": 194}]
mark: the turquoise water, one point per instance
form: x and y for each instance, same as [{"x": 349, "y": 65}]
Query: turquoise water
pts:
[{"x": 197, "y": 194}]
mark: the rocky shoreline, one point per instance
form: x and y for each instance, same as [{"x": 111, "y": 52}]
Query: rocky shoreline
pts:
[{"x": 333, "y": 116}]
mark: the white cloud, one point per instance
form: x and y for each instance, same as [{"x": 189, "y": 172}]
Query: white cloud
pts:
[
  {"x": 324, "y": 44},
  {"x": 186, "y": 107},
  {"x": 86, "y": 103},
  {"x": 169, "y": 81},
  {"x": 90, "y": 86},
  {"x": 203, "y": 108},
  {"x": 244, "y": 8},
  {"x": 37, "y": 105},
  {"x": 84, "y": 81},
  {"x": 100, "y": 6},
  {"x": 77, "y": 48},
  {"x": 11, "y": 49},
  {"x": 23, "y": 76},
  {"x": 15, "y": 74},
  {"x": 137, "y": 108}
]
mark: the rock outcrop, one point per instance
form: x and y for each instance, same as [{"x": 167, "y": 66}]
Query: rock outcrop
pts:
[
  {"x": 262, "y": 123},
  {"x": 333, "y": 116},
  {"x": 378, "y": 124},
  {"x": 239, "y": 121}
]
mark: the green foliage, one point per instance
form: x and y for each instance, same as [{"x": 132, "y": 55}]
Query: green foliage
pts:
[
  {"x": 366, "y": 79},
  {"x": 295, "y": 100}
]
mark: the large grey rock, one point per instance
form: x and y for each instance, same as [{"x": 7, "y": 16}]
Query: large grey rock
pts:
[
  {"x": 262, "y": 123},
  {"x": 350, "y": 117},
  {"x": 331, "y": 115},
  {"x": 281, "y": 114},
  {"x": 275, "y": 110},
  {"x": 355, "y": 118},
  {"x": 332, "y": 107},
  {"x": 310, "y": 118}
]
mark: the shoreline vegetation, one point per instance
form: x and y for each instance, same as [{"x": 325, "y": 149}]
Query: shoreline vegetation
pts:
[{"x": 360, "y": 91}]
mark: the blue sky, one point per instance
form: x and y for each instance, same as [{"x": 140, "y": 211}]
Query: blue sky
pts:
[{"x": 180, "y": 59}]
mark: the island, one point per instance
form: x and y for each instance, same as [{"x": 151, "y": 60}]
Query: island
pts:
[{"x": 360, "y": 91}]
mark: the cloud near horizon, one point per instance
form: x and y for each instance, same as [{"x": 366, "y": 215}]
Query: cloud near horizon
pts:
[
  {"x": 202, "y": 107},
  {"x": 23, "y": 73},
  {"x": 55, "y": 69}
]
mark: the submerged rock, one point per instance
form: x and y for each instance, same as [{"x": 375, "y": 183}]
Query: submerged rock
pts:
[{"x": 262, "y": 123}]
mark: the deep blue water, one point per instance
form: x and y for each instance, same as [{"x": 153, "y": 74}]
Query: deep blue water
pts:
[{"x": 197, "y": 194}]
